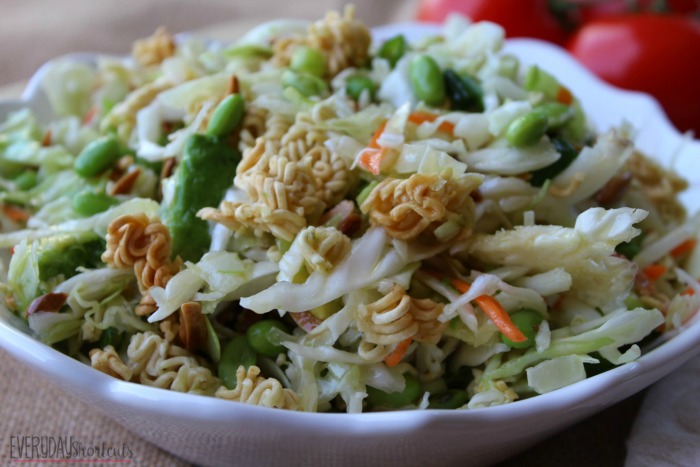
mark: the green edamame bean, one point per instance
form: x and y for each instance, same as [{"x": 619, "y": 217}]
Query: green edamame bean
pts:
[
  {"x": 307, "y": 85},
  {"x": 88, "y": 203},
  {"x": 98, "y": 156},
  {"x": 426, "y": 80},
  {"x": 236, "y": 353},
  {"x": 26, "y": 180},
  {"x": 393, "y": 49},
  {"x": 308, "y": 60},
  {"x": 452, "y": 399},
  {"x": 258, "y": 337},
  {"x": 527, "y": 321},
  {"x": 527, "y": 130},
  {"x": 226, "y": 116},
  {"x": 357, "y": 84},
  {"x": 410, "y": 393},
  {"x": 557, "y": 114}
]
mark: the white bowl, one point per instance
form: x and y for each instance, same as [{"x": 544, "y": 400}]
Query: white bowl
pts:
[{"x": 211, "y": 431}]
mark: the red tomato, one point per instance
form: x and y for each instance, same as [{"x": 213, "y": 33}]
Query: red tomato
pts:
[
  {"x": 657, "y": 54},
  {"x": 520, "y": 18},
  {"x": 590, "y": 10}
]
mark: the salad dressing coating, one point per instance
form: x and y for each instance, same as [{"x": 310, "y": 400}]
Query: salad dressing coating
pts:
[{"x": 397, "y": 225}]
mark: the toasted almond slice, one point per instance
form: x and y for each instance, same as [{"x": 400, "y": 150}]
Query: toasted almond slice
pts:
[
  {"x": 125, "y": 182},
  {"x": 193, "y": 329},
  {"x": 47, "y": 302}
]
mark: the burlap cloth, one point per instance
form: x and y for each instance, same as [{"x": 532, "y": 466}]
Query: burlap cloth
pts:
[{"x": 31, "y": 32}]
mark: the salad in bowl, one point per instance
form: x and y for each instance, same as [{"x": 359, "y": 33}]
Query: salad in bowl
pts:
[{"x": 305, "y": 220}]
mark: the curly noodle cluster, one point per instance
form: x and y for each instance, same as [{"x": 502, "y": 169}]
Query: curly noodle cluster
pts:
[
  {"x": 159, "y": 363},
  {"x": 153, "y": 361},
  {"x": 107, "y": 361},
  {"x": 408, "y": 207},
  {"x": 322, "y": 247},
  {"x": 251, "y": 388},
  {"x": 253, "y": 126},
  {"x": 154, "y": 49},
  {"x": 283, "y": 196},
  {"x": 343, "y": 40},
  {"x": 394, "y": 318},
  {"x": 144, "y": 244},
  {"x": 659, "y": 185}
]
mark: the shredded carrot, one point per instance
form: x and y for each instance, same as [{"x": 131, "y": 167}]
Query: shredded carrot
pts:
[
  {"x": 89, "y": 116},
  {"x": 394, "y": 358},
  {"x": 564, "y": 96},
  {"x": 373, "y": 142},
  {"x": 684, "y": 247},
  {"x": 420, "y": 117},
  {"x": 15, "y": 213},
  {"x": 654, "y": 271},
  {"x": 46, "y": 140},
  {"x": 495, "y": 311},
  {"x": 688, "y": 291},
  {"x": 371, "y": 158}
]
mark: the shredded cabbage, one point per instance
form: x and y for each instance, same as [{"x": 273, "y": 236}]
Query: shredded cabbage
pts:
[{"x": 448, "y": 234}]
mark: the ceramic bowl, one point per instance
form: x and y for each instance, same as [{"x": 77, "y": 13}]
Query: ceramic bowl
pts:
[{"x": 211, "y": 431}]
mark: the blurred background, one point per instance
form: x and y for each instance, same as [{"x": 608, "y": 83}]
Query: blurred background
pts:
[
  {"x": 644, "y": 45},
  {"x": 33, "y": 31}
]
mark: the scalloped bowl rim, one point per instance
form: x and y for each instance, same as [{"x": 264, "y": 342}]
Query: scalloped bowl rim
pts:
[{"x": 597, "y": 391}]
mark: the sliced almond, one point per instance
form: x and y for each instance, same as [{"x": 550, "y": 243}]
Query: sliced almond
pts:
[
  {"x": 168, "y": 167},
  {"x": 48, "y": 302},
  {"x": 46, "y": 141},
  {"x": 614, "y": 189},
  {"x": 193, "y": 328},
  {"x": 125, "y": 182},
  {"x": 233, "y": 86}
]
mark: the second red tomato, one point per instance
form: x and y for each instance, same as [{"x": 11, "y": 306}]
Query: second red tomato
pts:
[
  {"x": 520, "y": 18},
  {"x": 651, "y": 53}
]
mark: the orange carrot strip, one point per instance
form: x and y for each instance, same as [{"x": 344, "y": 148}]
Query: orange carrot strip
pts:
[
  {"x": 564, "y": 96},
  {"x": 495, "y": 311},
  {"x": 372, "y": 160},
  {"x": 373, "y": 142},
  {"x": 90, "y": 115},
  {"x": 394, "y": 358},
  {"x": 684, "y": 247},
  {"x": 654, "y": 271},
  {"x": 15, "y": 213},
  {"x": 420, "y": 117}
]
